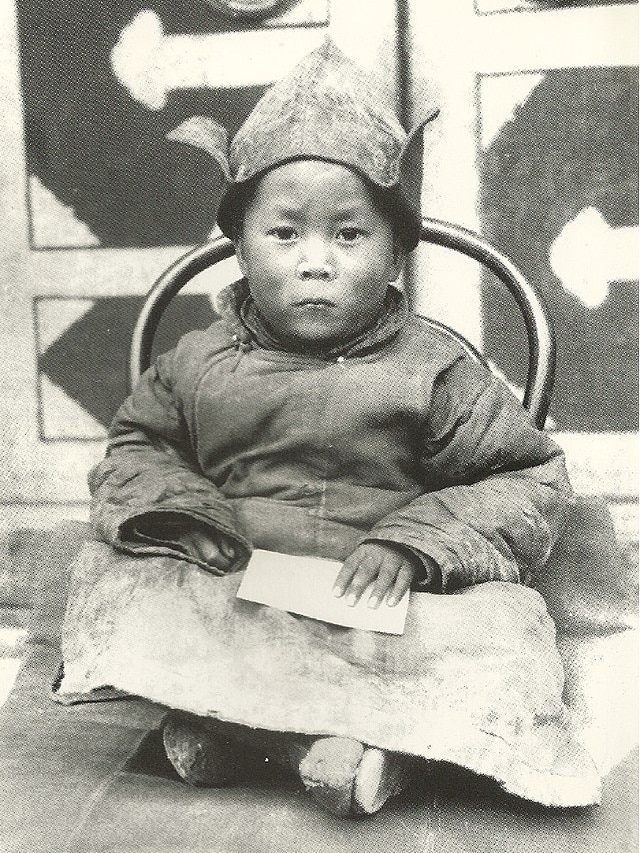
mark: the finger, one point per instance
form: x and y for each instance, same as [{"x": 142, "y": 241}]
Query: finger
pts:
[
  {"x": 220, "y": 561},
  {"x": 348, "y": 570},
  {"x": 208, "y": 551},
  {"x": 226, "y": 547},
  {"x": 402, "y": 584},
  {"x": 367, "y": 571},
  {"x": 385, "y": 581}
]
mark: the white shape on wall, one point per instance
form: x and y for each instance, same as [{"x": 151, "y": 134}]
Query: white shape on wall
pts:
[
  {"x": 489, "y": 6},
  {"x": 588, "y": 254},
  {"x": 55, "y": 316},
  {"x": 54, "y": 223},
  {"x": 499, "y": 97},
  {"x": 150, "y": 64},
  {"x": 63, "y": 417}
]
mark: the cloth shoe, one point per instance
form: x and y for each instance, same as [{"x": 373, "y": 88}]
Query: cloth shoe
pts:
[
  {"x": 202, "y": 757},
  {"x": 340, "y": 774},
  {"x": 328, "y": 772},
  {"x": 380, "y": 776},
  {"x": 327, "y": 766}
]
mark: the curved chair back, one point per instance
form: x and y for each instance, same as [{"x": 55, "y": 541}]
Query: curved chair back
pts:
[{"x": 540, "y": 336}]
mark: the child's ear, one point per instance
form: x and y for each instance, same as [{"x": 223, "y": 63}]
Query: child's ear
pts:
[
  {"x": 399, "y": 258},
  {"x": 237, "y": 242}
]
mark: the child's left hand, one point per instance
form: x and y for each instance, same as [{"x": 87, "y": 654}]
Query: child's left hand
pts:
[{"x": 392, "y": 569}]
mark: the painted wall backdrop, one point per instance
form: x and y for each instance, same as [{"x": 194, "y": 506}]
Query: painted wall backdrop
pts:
[
  {"x": 101, "y": 87},
  {"x": 103, "y": 84},
  {"x": 559, "y": 194},
  {"x": 536, "y": 147}
]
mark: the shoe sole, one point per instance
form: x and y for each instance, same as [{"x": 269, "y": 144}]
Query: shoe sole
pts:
[{"x": 381, "y": 775}]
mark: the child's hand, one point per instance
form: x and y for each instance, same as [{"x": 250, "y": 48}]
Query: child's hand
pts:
[
  {"x": 204, "y": 544},
  {"x": 391, "y": 568}
]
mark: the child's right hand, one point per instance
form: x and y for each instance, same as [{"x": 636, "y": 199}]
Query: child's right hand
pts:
[
  {"x": 390, "y": 568},
  {"x": 205, "y": 544}
]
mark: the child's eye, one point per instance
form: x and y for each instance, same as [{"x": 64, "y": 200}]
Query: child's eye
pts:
[
  {"x": 284, "y": 233},
  {"x": 350, "y": 234}
]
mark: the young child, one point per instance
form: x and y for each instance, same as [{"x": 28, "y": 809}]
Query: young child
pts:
[{"x": 319, "y": 416}]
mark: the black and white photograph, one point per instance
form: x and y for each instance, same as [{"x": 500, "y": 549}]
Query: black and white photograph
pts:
[{"x": 319, "y": 426}]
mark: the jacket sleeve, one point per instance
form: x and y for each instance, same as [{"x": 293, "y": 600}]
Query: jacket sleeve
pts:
[
  {"x": 149, "y": 483},
  {"x": 496, "y": 487}
]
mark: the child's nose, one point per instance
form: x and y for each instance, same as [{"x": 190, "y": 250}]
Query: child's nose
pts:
[{"x": 315, "y": 260}]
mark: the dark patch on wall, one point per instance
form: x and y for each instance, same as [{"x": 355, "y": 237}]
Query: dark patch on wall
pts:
[
  {"x": 560, "y": 4},
  {"x": 573, "y": 144},
  {"x": 544, "y": 5},
  {"x": 89, "y": 360}
]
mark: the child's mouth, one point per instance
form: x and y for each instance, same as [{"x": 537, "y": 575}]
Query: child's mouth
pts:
[{"x": 315, "y": 302}]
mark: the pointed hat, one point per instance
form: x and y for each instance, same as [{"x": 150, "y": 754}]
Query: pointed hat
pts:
[{"x": 325, "y": 108}]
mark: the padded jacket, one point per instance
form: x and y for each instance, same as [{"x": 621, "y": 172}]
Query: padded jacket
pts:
[{"x": 397, "y": 437}]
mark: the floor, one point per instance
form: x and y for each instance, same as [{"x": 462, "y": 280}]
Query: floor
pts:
[{"x": 606, "y": 712}]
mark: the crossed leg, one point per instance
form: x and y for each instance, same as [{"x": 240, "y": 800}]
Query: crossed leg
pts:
[{"x": 341, "y": 774}]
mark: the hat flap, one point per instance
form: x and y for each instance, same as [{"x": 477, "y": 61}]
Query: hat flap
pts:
[{"x": 205, "y": 133}]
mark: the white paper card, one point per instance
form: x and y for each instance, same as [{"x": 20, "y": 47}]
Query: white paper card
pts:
[{"x": 304, "y": 585}]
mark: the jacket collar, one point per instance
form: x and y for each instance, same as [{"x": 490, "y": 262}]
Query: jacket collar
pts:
[{"x": 249, "y": 330}]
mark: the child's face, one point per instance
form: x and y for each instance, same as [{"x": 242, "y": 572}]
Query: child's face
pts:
[{"x": 317, "y": 253}]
